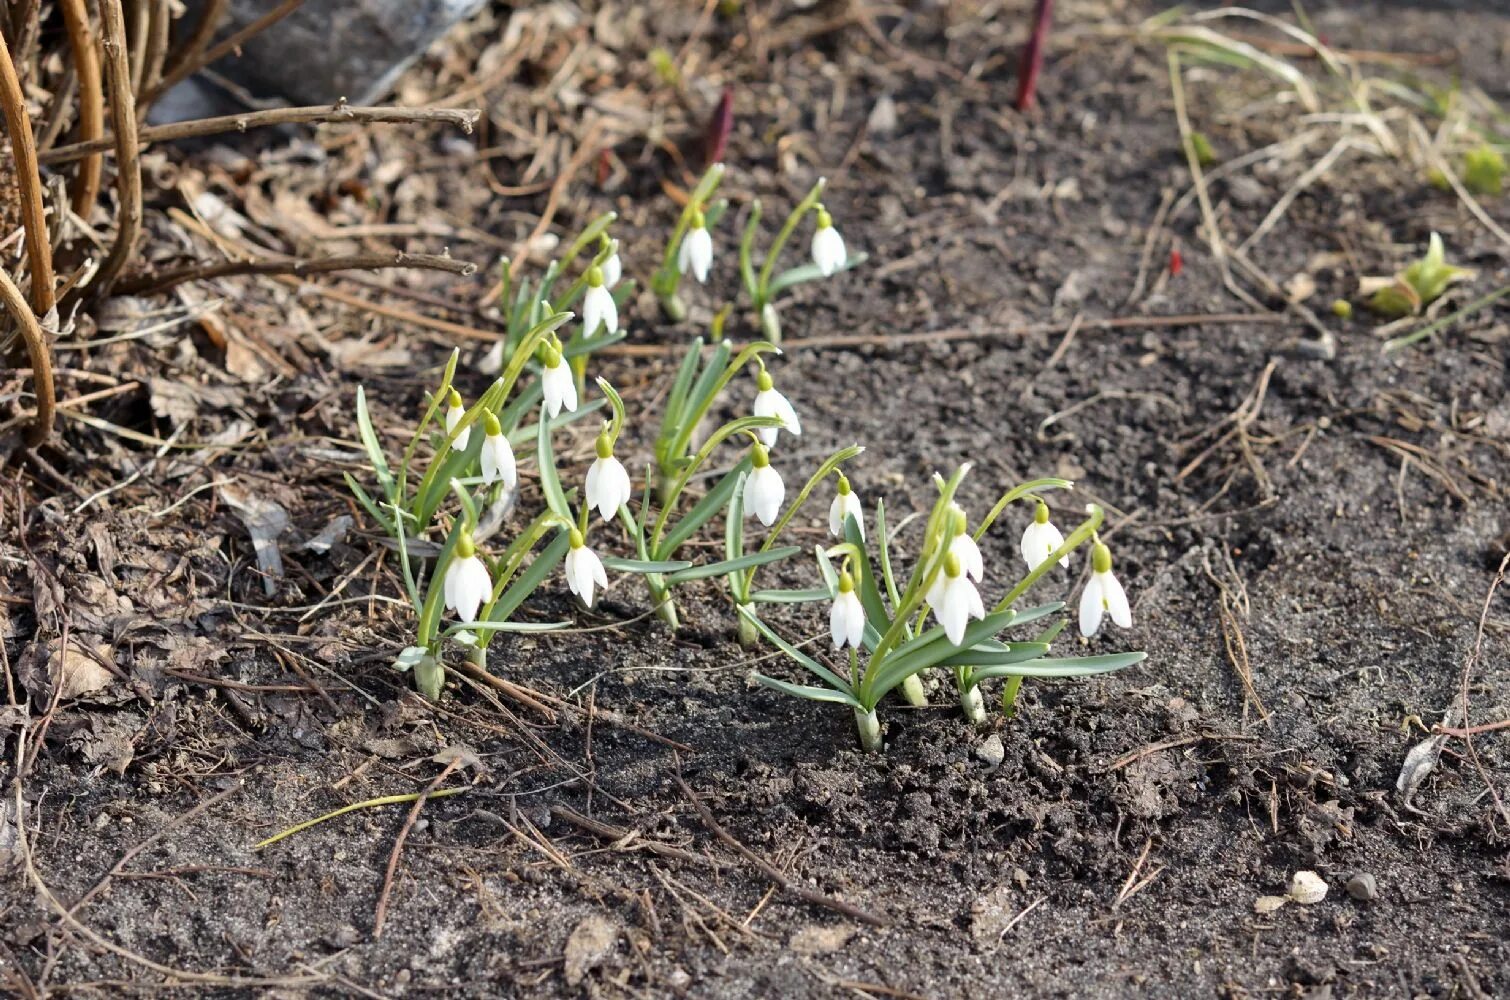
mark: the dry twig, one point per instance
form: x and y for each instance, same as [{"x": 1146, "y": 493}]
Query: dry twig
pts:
[
  {"x": 85, "y": 188},
  {"x": 41, "y": 363},
  {"x": 29, "y": 185},
  {"x": 338, "y": 113},
  {"x": 299, "y": 267}
]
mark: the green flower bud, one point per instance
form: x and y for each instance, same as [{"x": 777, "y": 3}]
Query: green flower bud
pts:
[
  {"x": 1101, "y": 558},
  {"x": 951, "y": 565},
  {"x": 1041, "y": 514},
  {"x": 575, "y": 539},
  {"x": 846, "y": 583},
  {"x": 759, "y": 456},
  {"x": 595, "y": 277},
  {"x": 825, "y": 221},
  {"x": 605, "y": 444},
  {"x": 763, "y": 380},
  {"x": 490, "y": 425},
  {"x": 465, "y": 548},
  {"x": 844, "y": 489}
]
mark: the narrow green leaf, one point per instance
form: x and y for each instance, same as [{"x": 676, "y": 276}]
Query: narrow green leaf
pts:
[
  {"x": 811, "y": 693},
  {"x": 1074, "y": 666},
  {"x": 547, "y": 560},
  {"x": 732, "y": 565},
  {"x": 621, "y": 565},
  {"x": 803, "y": 273},
  {"x": 550, "y": 481},
  {"x": 367, "y": 503},
  {"x": 714, "y": 501},
  {"x": 790, "y": 596},
  {"x": 374, "y": 448},
  {"x": 823, "y": 673}
]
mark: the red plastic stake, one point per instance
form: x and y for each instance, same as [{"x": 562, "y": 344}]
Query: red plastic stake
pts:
[{"x": 1176, "y": 262}]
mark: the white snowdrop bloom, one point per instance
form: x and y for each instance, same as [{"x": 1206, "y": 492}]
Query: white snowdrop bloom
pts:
[
  {"x": 454, "y": 412},
  {"x": 497, "y": 455},
  {"x": 695, "y": 256},
  {"x": 954, "y": 599},
  {"x": 598, "y": 309},
  {"x": 608, "y": 486},
  {"x": 1103, "y": 595},
  {"x": 846, "y": 621},
  {"x": 467, "y": 584},
  {"x": 828, "y": 245},
  {"x": 764, "y": 489},
  {"x": 613, "y": 270},
  {"x": 584, "y": 570},
  {"x": 1040, "y": 539},
  {"x": 557, "y": 384},
  {"x": 845, "y": 505},
  {"x": 963, "y": 546},
  {"x": 770, "y": 403}
]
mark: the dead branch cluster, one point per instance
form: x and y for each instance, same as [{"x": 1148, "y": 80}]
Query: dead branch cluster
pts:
[{"x": 77, "y": 107}]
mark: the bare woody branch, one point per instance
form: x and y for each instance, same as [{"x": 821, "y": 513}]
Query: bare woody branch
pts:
[
  {"x": 41, "y": 363},
  {"x": 301, "y": 267},
  {"x": 463, "y": 118},
  {"x": 128, "y": 168},
  {"x": 29, "y": 183},
  {"x": 191, "y": 64},
  {"x": 85, "y": 188}
]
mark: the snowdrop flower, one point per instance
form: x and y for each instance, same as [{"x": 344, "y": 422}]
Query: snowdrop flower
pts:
[
  {"x": 608, "y": 486},
  {"x": 764, "y": 489},
  {"x": 846, "y": 622},
  {"x": 454, "y": 412},
  {"x": 556, "y": 383},
  {"x": 584, "y": 569},
  {"x": 1103, "y": 594},
  {"x": 598, "y": 309},
  {"x": 770, "y": 403},
  {"x": 828, "y": 245},
  {"x": 696, "y": 254},
  {"x": 467, "y": 584},
  {"x": 964, "y": 547},
  {"x": 613, "y": 270},
  {"x": 954, "y": 599},
  {"x": 1040, "y": 539},
  {"x": 497, "y": 454},
  {"x": 845, "y": 505}
]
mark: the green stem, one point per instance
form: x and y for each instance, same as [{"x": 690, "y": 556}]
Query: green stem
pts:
[
  {"x": 1017, "y": 493},
  {"x": 974, "y": 706},
  {"x": 824, "y": 471},
  {"x": 749, "y": 636},
  {"x": 768, "y": 266},
  {"x": 869, "y": 728},
  {"x": 1009, "y": 696}
]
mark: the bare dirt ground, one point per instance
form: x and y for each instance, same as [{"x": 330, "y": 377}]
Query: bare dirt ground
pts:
[{"x": 1308, "y": 536}]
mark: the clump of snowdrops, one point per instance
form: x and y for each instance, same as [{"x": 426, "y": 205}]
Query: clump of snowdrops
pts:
[{"x": 470, "y": 557}]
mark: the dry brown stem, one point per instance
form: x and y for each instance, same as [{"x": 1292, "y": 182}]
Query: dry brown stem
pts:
[
  {"x": 85, "y": 189},
  {"x": 41, "y": 363},
  {"x": 128, "y": 168}
]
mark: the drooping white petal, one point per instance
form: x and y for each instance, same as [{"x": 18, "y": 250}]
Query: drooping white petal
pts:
[
  {"x": 845, "y": 505},
  {"x": 763, "y": 494},
  {"x": 846, "y": 620},
  {"x": 770, "y": 403},
  {"x": 968, "y": 553},
  {"x": 1114, "y": 599},
  {"x": 467, "y": 586},
  {"x": 1092, "y": 606},
  {"x": 453, "y": 417},
  {"x": 958, "y": 603},
  {"x": 599, "y": 313},
  {"x": 608, "y": 486},
  {"x": 613, "y": 270},
  {"x": 584, "y": 570},
  {"x": 498, "y": 462},
  {"x": 828, "y": 250},
  {"x": 695, "y": 256},
  {"x": 559, "y": 390},
  {"x": 1039, "y": 541}
]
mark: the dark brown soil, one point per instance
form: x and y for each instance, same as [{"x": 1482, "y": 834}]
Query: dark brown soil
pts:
[{"x": 1350, "y": 522}]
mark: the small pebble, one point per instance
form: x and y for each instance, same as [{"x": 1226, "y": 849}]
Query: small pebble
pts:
[
  {"x": 991, "y": 751},
  {"x": 1363, "y": 887},
  {"x": 1268, "y": 904},
  {"x": 1307, "y": 887}
]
